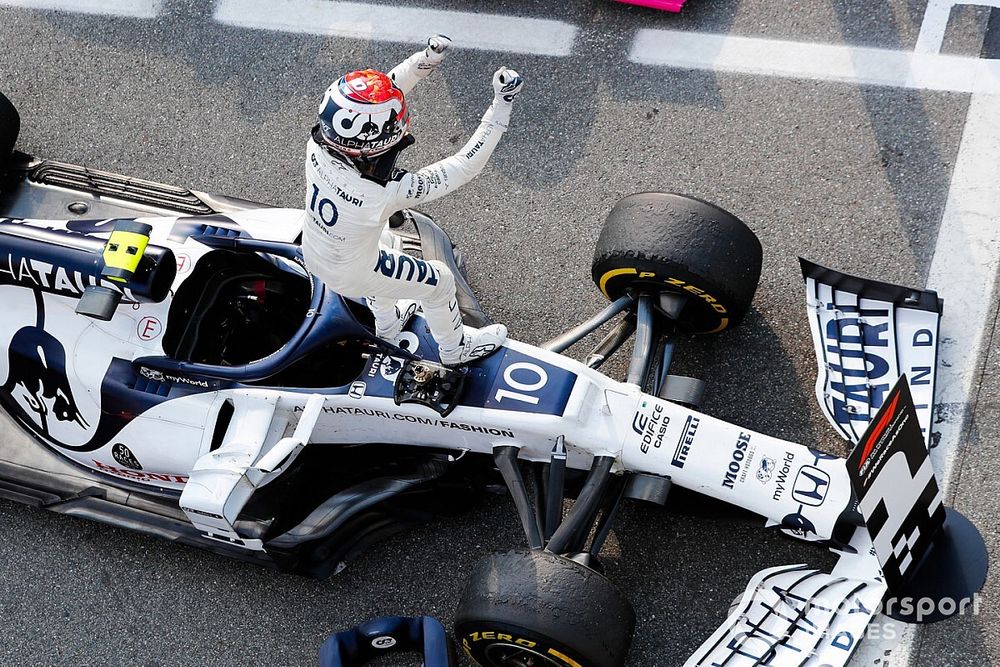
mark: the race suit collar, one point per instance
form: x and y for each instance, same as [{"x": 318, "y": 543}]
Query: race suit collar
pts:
[{"x": 381, "y": 169}]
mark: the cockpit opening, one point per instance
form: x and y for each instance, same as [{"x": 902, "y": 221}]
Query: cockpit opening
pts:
[{"x": 235, "y": 308}]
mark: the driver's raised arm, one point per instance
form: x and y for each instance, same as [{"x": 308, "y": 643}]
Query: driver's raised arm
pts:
[
  {"x": 420, "y": 65},
  {"x": 443, "y": 176}
]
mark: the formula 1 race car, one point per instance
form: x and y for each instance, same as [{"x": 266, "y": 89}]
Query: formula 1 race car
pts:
[{"x": 172, "y": 367}]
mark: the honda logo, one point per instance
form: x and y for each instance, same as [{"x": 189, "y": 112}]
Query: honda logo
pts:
[{"x": 810, "y": 486}]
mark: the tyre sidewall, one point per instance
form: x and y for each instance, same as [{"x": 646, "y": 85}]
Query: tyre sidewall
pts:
[
  {"x": 477, "y": 638},
  {"x": 551, "y": 601},
  {"x": 708, "y": 309}
]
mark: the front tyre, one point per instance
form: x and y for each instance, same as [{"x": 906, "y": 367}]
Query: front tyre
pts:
[
  {"x": 536, "y": 609},
  {"x": 656, "y": 242}
]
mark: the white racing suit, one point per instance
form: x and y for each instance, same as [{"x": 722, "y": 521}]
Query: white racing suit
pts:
[{"x": 348, "y": 212}]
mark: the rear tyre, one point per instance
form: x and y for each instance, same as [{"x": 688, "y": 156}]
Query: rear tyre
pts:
[
  {"x": 533, "y": 608},
  {"x": 10, "y": 125},
  {"x": 659, "y": 242}
]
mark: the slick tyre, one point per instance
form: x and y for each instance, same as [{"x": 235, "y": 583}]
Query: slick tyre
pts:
[
  {"x": 658, "y": 242},
  {"x": 10, "y": 125},
  {"x": 536, "y": 608}
]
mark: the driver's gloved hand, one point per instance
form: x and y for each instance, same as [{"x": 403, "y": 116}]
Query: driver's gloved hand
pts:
[
  {"x": 438, "y": 47},
  {"x": 506, "y": 85}
]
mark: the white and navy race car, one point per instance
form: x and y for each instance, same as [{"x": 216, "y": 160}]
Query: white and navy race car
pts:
[{"x": 170, "y": 366}]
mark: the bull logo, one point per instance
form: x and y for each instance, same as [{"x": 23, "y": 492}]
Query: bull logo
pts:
[{"x": 37, "y": 366}]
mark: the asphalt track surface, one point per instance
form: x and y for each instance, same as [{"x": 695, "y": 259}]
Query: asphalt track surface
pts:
[{"x": 849, "y": 176}]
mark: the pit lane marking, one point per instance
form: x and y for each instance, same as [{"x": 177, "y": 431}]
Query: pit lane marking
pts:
[
  {"x": 967, "y": 251},
  {"x": 806, "y": 60},
  {"x": 384, "y": 23},
  {"x": 935, "y": 23},
  {"x": 143, "y": 9},
  {"x": 963, "y": 271}
]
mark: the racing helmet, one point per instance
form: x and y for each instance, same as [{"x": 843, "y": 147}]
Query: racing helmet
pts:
[{"x": 363, "y": 114}]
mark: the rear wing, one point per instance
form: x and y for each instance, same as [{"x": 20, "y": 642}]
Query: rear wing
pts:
[{"x": 867, "y": 334}]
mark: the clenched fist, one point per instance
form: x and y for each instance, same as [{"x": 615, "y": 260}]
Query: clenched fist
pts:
[
  {"x": 438, "y": 47},
  {"x": 506, "y": 85}
]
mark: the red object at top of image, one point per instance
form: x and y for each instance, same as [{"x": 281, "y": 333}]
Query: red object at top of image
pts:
[{"x": 668, "y": 5}]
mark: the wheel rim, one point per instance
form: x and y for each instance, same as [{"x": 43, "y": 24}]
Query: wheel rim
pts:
[{"x": 512, "y": 655}]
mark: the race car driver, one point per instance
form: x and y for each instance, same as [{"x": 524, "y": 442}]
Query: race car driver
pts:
[{"x": 353, "y": 188}]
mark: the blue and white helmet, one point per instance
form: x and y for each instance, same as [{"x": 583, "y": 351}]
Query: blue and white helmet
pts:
[{"x": 363, "y": 114}]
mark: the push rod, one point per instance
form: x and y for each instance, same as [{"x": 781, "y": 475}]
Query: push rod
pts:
[
  {"x": 506, "y": 460},
  {"x": 582, "y": 514},
  {"x": 554, "y": 493},
  {"x": 645, "y": 337},
  {"x": 580, "y": 331},
  {"x": 610, "y": 344}
]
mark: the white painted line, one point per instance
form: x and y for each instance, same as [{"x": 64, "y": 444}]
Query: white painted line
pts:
[
  {"x": 143, "y": 9},
  {"x": 824, "y": 62},
  {"x": 934, "y": 26},
  {"x": 935, "y": 23},
  {"x": 894, "y": 649},
  {"x": 384, "y": 23},
  {"x": 964, "y": 271}
]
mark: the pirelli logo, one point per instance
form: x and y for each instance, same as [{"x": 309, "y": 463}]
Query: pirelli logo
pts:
[{"x": 686, "y": 440}]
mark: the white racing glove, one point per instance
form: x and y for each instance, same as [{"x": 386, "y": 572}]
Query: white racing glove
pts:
[
  {"x": 438, "y": 47},
  {"x": 506, "y": 85}
]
